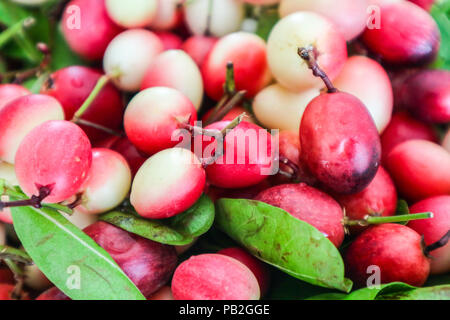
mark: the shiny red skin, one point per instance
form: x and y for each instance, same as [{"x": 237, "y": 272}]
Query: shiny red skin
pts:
[
  {"x": 247, "y": 166},
  {"x": 403, "y": 128},
  {"x": 6, "y": 276},
  {"x": 147, "y": 263},
  {"x": 53, "y": 294},
  {"x": 310, "y": 205},
  {"x": 434, "y": 229},
  {"x": 420, "y": 169},
  {"x": 426, "y": 94},
  {"x": 9, "y": 92},
  {"x": 258, "y": 268},
  {"x": 56, "y": 153},
  {"x": 379, "y": 198},
  {"x": 169, "y": 40},
  {"x": 72, "y": 85},
  {"x": 425, "y": 4},
  {"x": 407, "y": 35},
  {"x": 340, "y": 142},
  {"x": 395, "y": 249},
  {"x": 96, "y": 28},
  {"x": 198, "y": 47},
  {"x": 134, "y": 158}
]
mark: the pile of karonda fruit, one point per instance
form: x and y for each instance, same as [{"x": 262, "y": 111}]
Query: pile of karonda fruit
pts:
[{"x": 224, "y": 149}]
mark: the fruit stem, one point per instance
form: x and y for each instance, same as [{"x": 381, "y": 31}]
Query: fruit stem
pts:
[
  {"x": 294, "y": 167},
  {"x": 230, "y": 84},
  {"x": 438, "y": 244},
  {"x": 14, "y": 254},
  {"x": 207, "y": 32},
  {"x": 34, "y": 201},
  {"x": 221, "y": 111},
  {"x": 21, "y": 76},
  {"x": 16, "y": 293},
  {"x": 98, "y": 127},
  {"x": 369, "y": 220},
  {"x": 15, "y": 29},
  {"x": 309, "y": 56}
]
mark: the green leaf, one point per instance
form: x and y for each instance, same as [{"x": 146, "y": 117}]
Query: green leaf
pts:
[
  {"x": 62, "y": 56},
  {"x": 402, "y": 208},
  {"x": 427, "y": 293},
  {"x": 179, "y": 230},
  {"x": 276, "y": 237},
  {"x": 441, "y": 13},
  {"x": 59, "y": 248},
  {"x": 266, "y": 21}
]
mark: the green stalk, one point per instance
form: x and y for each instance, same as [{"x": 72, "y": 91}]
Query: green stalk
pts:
[
  {"x": 15, "y": 29},
  {"x": 369, "y": 220}
]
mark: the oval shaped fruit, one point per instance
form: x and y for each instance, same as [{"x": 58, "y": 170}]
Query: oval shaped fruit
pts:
[
  {"x": 132, "y": 13},
  {"x": 168, "y": 15},
  {"x": 340, "y": 143},
  {"x": 168, "y": 183},
  {"x": 56, "y": 154},
  {"x": 10, "y": 92}
]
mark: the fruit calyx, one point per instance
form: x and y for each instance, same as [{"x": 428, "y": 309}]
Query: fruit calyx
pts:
[{"x": 34, "y": 201}]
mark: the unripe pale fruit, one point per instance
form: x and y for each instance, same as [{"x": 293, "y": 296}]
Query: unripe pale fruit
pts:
[
  {"x": 395, "y": 249},
  {"x": 226, "y": 16},
  {"x": 132, "y": 13},
  {"x": 167, "y": 184},
  {"x": 248, "y": 54},
  {"x": 87, "y": 28},
  {"x": 214, "y": 277},
  {"x": 107, "y": 184},
  {"x": 10, "y": 92},
  {"x": 407, "y": 35},
  {"x": 130, "y": 54},
  {"x": 72, "y": 85},
  {"x": 434, "y": 229},
  {"x": 303, "y": 29},
  {"x": 349, "y": 16},
  {"x": 79, "y": 219},
  {"x": 310, "y": 205},
  {"x": 20, "y": 116},
  {"x": 168, "y": 16},
  {"x": 198, "y": 47},
  {"x": 176, "y": 69},
  {"x": 279, "y": 108},
  {"x": 147, "y": 263},
  {"x": 340, "y": 143},
  {"x": 420, "y": 169},
  {"x": 55, "y": 154},
  {"x": 366, "y": 79},
  {"x": 153, "y": 116}
]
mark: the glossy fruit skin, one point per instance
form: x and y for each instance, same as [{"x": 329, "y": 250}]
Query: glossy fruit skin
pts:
[
  {"x": 434, "y": 229},
  {"x": 395, "y": 249},
  {"x": 341, "y": 145},
  {"x": 55, "y": 153},
  {"x": 378, "y": 97},
  {"x": 170, "y": 40},
  {"x": 72, "y": 85},
  {"x": 133, "y": 14},
  {"x": 260, "y": 271},
  {"x": 403, "y": 128},
  {"x": 20, "y": 116},
  {"x": 246, "y": 164},
  {"x": 310, "y": 205},
  {"x": 53, "y": 294},
  {"x": 10, "y": 92},
  {"x": 420, "y": 169},
  {"x": 379, "y": 198},
  {"x": 426, "y": 94},
  {"x": 147, "y": 263},
  {"x": 168, "y": 15},
  {"x": 95, "y": 31},
  {"x": 151, "y": 118},
  {"x": 214, "y": 277},
  {"x": 198, "y": 47},
  {"x": 168, "y": 183},
  {"x": 248, "y": 53},
  {"x": 407, "y": 35}
]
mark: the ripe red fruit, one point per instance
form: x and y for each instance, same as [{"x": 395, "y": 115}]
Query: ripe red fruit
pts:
[
  {"x": 407, "y": 34},
  {"x": 340, "y": 142},
  {"x": 55, "y": 154},
  {"x": 258, "y": 268},
  {"x": 72, "y": 85},
  {"x": 379, "y": 198},
  {"x": 403, "y": 128},
  {"x": 52, "y": 294},
  {"x": 198, "y": 47},
  {"x": 214, "y": 277},
  {"x": 87, "y": 28},
  {"x": 247, "y": 159},
  {"x": 153, "y": 116},
  {"x": 5, "y": 291},
  {"x": 310, "y": 205},
  {"x": 395, "y": 249},
  {"x": 20, "y": 116},
  {"x": 434, "y": 229},
  {"x": 420, "y": 169},
  {"x": 10, "y": 92},
  {"x": 147, "y": 263},
  {"x": 169, "y": 40},
  {"x": 425, "y": 4},
  {"x": 134, "y": 158},
  {"x": 426, "y": 94},
  {"x": 167, "y": 184}
]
